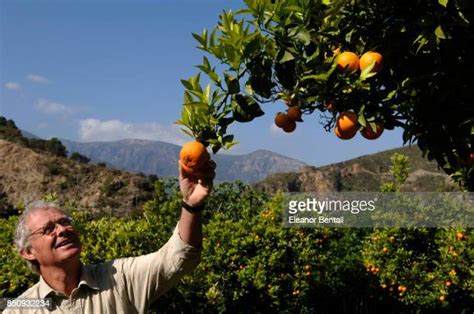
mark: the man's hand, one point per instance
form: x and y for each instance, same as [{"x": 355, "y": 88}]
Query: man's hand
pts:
[{"x": 196, "y": 188}]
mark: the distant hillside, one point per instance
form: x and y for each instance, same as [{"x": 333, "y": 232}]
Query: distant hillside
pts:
[
  {"x": 160, "y": 158},
  {"x": 365, "y": 173},
  {"x": 27, "y": 175},
  {"x": 33, "y": 168},
  {"x": 29, "y": 135}
]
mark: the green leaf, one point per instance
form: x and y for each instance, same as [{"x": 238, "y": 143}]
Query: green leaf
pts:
[
  {"x": 187, "y": 84},
  {"x": 207, "y": 94},
  {"x": 366, "y": 73},
  {"x": 187, "y": 97},
  {"x": 301, "y": 34},
  {"x": 348, "y": 36},
  {"x": 287, "y": 56},
  {"x": 232, "y": 82},
  {"x": 444, "y": 3},
  {"x": 187, "y": 132},
  {"x": 201, "y": 40},
  {"x": 214, "y": 77},
  {"x": 230, "y": 144},
  {"x": 362, "y": 121},
  {"x": 322, "y": 77},
  {"x": 440, "y": 33},
  {"x": 252, "y": 47},
  {"x": 390, "y": 95},
  {"x": 245, "y": 108},
  {"x": 216, "y": 97}
]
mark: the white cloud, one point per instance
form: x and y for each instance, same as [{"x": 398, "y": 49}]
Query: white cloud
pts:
[
  {"x": 113, "y": 130},
  {"x": 42, "y": 125},
  {"x": 12, "y": 86},
  {"x": 38, "y": 79},
  {"x": 51, "y": 107}
]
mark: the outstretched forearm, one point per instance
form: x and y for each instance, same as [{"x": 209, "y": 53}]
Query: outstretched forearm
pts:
[{"x": 190, "y": 228}]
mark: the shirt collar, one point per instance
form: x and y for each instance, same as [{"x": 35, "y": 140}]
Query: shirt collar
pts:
[
  {"x": 86, "y": 279},
  {"x": 44, "y": 288}
]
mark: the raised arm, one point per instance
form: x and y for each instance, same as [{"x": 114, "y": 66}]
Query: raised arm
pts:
[{"x": 195, "y": 190}]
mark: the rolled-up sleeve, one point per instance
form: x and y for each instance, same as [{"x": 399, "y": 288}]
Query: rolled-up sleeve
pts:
[{"x": 146, "y": 277}]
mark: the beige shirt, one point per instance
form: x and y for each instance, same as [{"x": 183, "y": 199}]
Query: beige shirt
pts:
[{"x": 125, "y": 285}]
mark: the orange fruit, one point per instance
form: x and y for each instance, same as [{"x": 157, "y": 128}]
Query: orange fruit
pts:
[
  {"x": 329, "y": 106},
  {"x": 192, "y": 156},
  {"x": 348, "y": 62},
  {"x": 281, "y": 119},
  {"x": 346, "y": 125},
  {"x": 368, "y": 58},
  {"x": 294, "y": 113},
  {"x": 290, "y": 126},
  {"x": 460, "y": 236},
  {"x": 370, "y": 134}
]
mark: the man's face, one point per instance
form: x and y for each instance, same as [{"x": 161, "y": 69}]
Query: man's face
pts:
[{"x": 57, "y": 248}]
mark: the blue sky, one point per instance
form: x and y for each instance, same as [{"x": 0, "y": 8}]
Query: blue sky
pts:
[{"x": 106, "y": 70}]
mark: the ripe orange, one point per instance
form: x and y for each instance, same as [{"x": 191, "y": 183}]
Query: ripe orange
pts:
[
  {"x": 370, "y": 134},
  {"x": 329, "y": 106},
  {"x": 346, "y": 125},
  {"x": 294, "y": 113},
  {"x": 290, "y": 126},
  {"x": 281, "y": 119},
  {"x": 193, "y": 155},
  {"x": 348, "y": 62},
  {"x": 369, "y": 57}
]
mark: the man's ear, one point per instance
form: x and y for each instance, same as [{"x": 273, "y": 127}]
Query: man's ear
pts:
[{"x": 27, "y": 254}]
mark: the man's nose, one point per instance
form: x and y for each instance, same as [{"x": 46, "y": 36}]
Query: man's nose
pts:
[{"x": 60, "y": 229}]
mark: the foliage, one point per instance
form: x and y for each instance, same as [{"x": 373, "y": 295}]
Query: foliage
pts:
[
  {"x": 399, "y": 171},
  {"x": 287, "y": 49},
  {"x": 80, "y": 158},
  {"x": 53, "y": 146},
  {"x": 426, "y": 268},
  {"x": 251, "y": 263},
  {"x": 10, "y": 132}
]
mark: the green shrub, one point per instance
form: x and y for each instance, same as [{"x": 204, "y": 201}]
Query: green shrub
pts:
[{"x": 251, "y": 263}]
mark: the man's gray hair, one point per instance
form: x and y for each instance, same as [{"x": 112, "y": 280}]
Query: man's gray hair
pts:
[{"x": 22, "y": 233}]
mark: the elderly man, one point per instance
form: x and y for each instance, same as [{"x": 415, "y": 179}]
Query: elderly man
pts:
[{"x": 47, "y": 240}]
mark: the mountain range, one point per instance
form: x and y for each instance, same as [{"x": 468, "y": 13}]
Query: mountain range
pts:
[{"x": 160, "y": 158}]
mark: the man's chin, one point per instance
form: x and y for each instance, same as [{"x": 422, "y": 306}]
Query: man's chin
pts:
[{"x": 69, "y": 251}]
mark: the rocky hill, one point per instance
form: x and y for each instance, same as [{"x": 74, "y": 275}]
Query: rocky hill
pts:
[
  {"x": 27, "y": 175},
  {"x": 365, "y": 173},
  {"x": 159, "y": 158}
]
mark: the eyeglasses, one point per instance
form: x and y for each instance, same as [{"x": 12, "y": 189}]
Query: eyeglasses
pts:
[{"x": 50, "y": 226}]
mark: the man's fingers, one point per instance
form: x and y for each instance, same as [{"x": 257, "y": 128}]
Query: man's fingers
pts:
[{"x": 206, "y": 172}]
